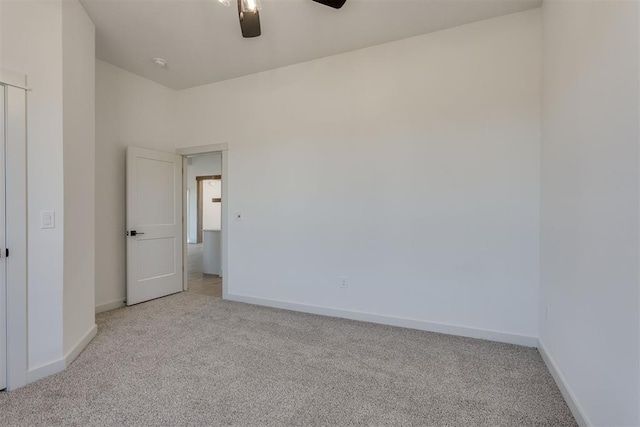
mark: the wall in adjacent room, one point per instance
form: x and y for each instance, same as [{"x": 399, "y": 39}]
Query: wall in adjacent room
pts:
[
  {"x": 410, "y": 170},
  {"x": 200, "y": 165},
  {"x": 130, "y": 110},
  {"x": 590, "y": 292}
]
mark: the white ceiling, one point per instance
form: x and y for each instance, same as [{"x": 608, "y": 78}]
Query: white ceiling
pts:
[{"x": 202, "y": 43}]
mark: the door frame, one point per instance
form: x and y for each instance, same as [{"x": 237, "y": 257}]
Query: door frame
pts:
[
  {"x": 200, "y": 204},
  {"x": 16, "y": 220},
  {"x": 224, "y": 208}
]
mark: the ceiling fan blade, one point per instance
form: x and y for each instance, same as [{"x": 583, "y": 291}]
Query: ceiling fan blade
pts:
[
  {"x": 249, "y": 22},
  {"x": 336, "y": 4}
]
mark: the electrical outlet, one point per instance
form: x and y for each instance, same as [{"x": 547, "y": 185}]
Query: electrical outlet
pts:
[{"x": 344, "y": 284}]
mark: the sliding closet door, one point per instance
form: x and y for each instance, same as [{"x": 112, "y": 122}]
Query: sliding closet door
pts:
[
  {"x": 3, "y": 267},
  {"x": 13, "y": 237},
  {"x": 13, "y": 230}
]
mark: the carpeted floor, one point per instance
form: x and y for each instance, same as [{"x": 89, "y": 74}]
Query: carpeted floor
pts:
[{"x": 194, "y": 360}]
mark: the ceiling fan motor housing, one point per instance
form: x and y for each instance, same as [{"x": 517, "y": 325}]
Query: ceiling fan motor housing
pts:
[
  {"x": 249, "y": 22},
  {"x": 336, "y": 4}
]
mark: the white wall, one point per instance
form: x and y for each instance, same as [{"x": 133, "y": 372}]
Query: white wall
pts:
[
  {"x": 211, "y": 211},
  {"x": 590, "y": 214},
  {"x": 200, "y": 165},
  {"x": 78, "y": 49},
  {"x": 130, "y": 110},
  {"x": 32, "y": 45},
  {"x": 411, "y": 169}
]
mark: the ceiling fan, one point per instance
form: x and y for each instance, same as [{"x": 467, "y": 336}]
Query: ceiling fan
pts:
[{"x": 249, "y": 14}]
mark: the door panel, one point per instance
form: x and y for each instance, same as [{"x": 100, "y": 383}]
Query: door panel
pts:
[
  {"x": 3, "y": 275},
  {"x": 15, "y": 238},
  {"x": 155, "y": 178},
  {"x": 155, "y": 258},
  {"x": 154, "y": 212}
]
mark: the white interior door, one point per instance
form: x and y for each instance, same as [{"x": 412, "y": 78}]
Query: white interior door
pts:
[
  {"x": 154, "y": 224},
  {"x": 3, "y": 266}
]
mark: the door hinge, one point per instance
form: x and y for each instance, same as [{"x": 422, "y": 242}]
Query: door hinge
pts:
[{"x": 6, "y": 253}]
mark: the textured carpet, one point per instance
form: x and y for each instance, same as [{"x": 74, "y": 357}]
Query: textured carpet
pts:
[{"x": 194, "y": 360}]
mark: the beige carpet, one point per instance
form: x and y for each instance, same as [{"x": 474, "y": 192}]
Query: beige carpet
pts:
[{"x": 192, "y": 360}]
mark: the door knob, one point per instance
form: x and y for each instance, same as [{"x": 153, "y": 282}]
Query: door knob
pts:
[{"x": 134, "y": 233}]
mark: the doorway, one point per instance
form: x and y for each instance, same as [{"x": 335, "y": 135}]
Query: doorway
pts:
[
  {"x": 204, "y": 224},
  {"x": 209, "y": 202}
]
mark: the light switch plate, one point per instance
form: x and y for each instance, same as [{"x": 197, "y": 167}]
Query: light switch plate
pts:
[{"x": 48, "y": 219}]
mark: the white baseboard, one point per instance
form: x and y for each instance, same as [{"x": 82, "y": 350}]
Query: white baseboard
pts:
[
  {"x": 60, "y": 365},
  {"x": 569, "y": 397},
  {"x": 110, "y": 305},
  {"x": 45, "y": 370},
  {"x": 80, "y": 345},
  {"x": 422, "y": 325}
]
